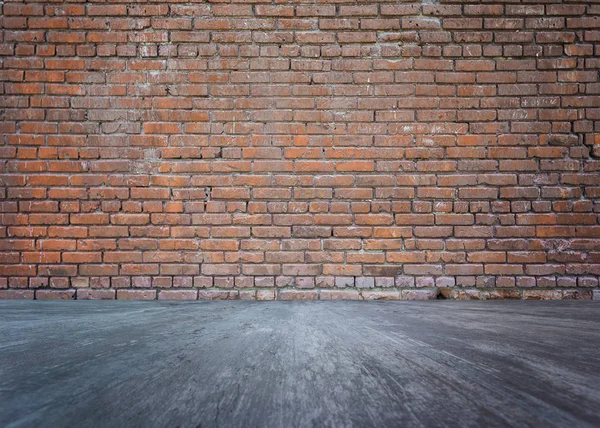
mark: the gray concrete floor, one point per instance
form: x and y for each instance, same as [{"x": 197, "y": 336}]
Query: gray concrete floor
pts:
[{"x": 292, "y": 364}]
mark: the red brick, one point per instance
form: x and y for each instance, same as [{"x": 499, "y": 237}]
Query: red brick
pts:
[
  {"x": 284, "y": 144},
  {"x": 87, "y": 294},
  {"x": 178, "y": 295}
]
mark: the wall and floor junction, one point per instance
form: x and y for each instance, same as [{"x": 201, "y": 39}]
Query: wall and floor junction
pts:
[{"x": 300, "y": 149}]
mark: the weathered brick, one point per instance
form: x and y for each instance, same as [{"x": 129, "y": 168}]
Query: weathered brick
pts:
[
  {"x": 419, "y": 294},
  {"x": 298, "y": 294},
  {"x": 302, "y": 149},
  {"x": 136, "y": 294},
  {"x": 339, "y": 295},
  {"x": 88, "y": 294},
  {"x": 380, "y": 295},
  {"x": 178, "y": 295}
]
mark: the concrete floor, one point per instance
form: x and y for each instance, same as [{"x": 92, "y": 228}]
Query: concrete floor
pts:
[{"x": 292, "y": 364}]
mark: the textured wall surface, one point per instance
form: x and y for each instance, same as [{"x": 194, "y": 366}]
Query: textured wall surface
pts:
[{"x": 300, "y": 149}]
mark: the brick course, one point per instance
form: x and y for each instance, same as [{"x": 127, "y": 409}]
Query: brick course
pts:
[{"x": 300, "y": 150}]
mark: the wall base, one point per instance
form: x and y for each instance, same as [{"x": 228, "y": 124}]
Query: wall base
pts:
[{"x": 263, "y": 294}]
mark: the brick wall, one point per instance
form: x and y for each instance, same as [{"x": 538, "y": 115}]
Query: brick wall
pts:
[{"x": 300, "y": 149}]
